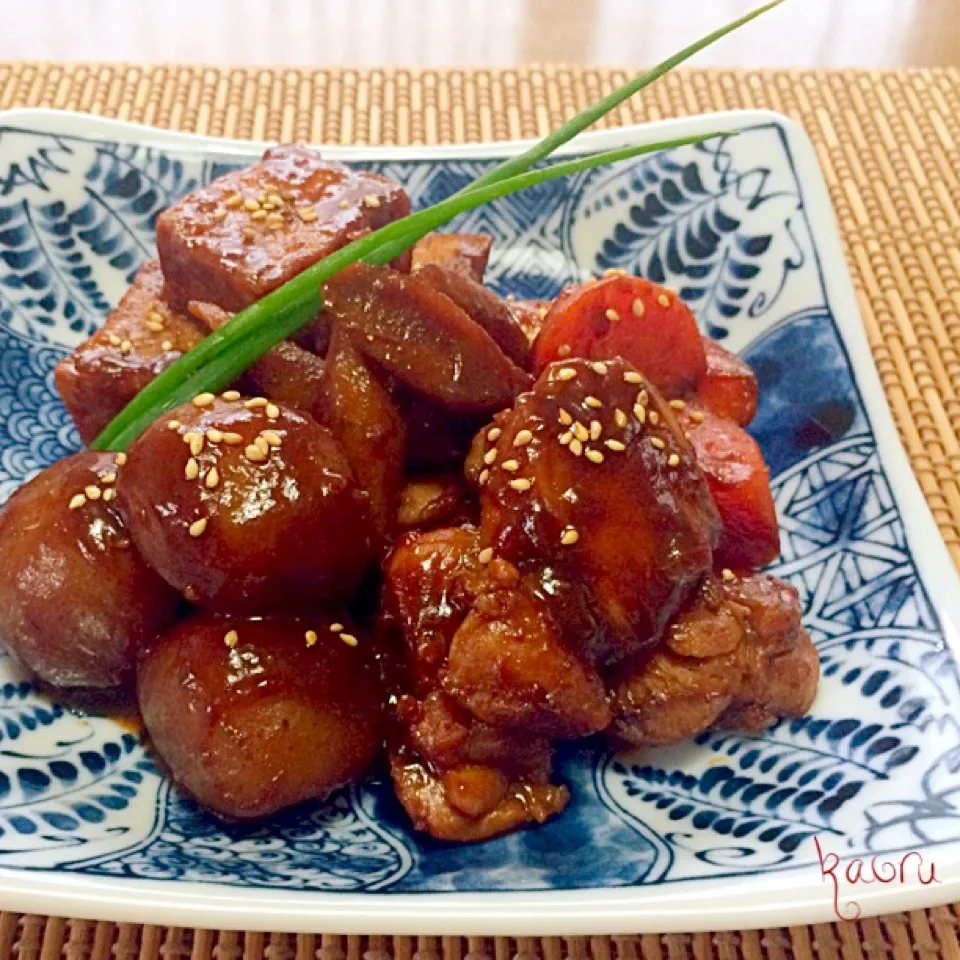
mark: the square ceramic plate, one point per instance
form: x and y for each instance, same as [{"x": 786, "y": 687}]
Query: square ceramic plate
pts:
[{"x": 721, "y": 832}]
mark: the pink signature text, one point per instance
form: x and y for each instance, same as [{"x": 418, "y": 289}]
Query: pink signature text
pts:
[{"x": 859, "y": 873}]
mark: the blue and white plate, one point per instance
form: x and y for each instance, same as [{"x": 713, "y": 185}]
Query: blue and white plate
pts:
[{"x": 727, "y": 831}]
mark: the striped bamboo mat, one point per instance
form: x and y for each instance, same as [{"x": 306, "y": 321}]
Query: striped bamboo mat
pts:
[{"x": 889, "y": 144}]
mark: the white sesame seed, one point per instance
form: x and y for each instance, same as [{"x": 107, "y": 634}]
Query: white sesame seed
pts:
[
  {"x": 640, "y": 413},
  {"x": 677, "y": 404},
  {"x": 192, "y": 470},
  {"x": 166, "y": 346},
  {"x": 654, "y": 417},
  {"x": 511, "y": 466},
  {"x": 196, "y": 444},
  {"x": 173, "y": 424},
  {"x": 120, "y": 459},
  {"x": 77, "y": 501},
  {"x": 254, "y": 402},
  {"x": 483, "y": 477},
  {"x": 214, "y": 435},
  {"x": 576, "y": 447},
  {"x": 485, "y": 555},
  {"x": 275, "y": 220},
  {"x": 261, "y": 442},
  {"x": 596, "y": 428},
  {"x": 638, "y": 308},
  {"x": 728, "y": 574},
  {"x": 490, "y": 456},
  {"x": 581, "y": 432},
  {"x": 232, "y": 438},
  {"x": 234, "y": 200},
  {"x": 109, "y": 495},
  {"x": 272, "y": 411},
  {"x": 673, "y": 460},
  {"x": 697, "y": 416},
  {"x": 230, "y": 395},
  {"x": 155, "y": 316},
  {"x": 258, "y": 215},
  {"x": 311, "y": 637},
  {"x": 93, "y": 492},
  {"x": 569, "y": 536},
  {"x": 565, "y": 418},
  {"x": 657, "y": 442},
  {"x": 114, "y": 340},
  {"x": 126, "y": 346},
  {"x": 643, "y": 398},
  {"x": 614, "y": 272},
  {"x": 275, "y": 199},
  {"x": 272, "y": 438},
  {"x": 522, "y": 438},
  {"x": 344, "y": 204},
  {"x": 594, "y": 456},
  {"x": 663, "y": 300},
  {"x": 631, "y": 376},
  {"x": 600, "y": 367},
  {"x": 619, "y": 418},
  {"x": 521, "y": 484},
  {"x": 203, "y": 399},
  {"x": 349, "y": 639},
  {"x": 336, "y": 627},
  {"x": 565, "y": 438},
  {"x": 307, "y": 214},
  {"x": 252, "y": 205},
  {"x": 615, "y": 445},
  {"x": 254, "y": 453},
  {"x": 612, "y": 315},
  {"x": 197, "y": 527},
  {"x": 154, "y": 327},
  {"x": 108, "y": 478},
  {"x": 493, "y": 434},
  {"x": 371, "y": 201},
  {"x": 231, "y": 638},
  {"x": 566, "y": 373},
  {"x": 593, "y": 403},
  {"x": 212, "y": 478}
]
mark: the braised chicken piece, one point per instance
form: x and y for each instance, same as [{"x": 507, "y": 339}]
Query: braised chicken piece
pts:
[
  {"x": 245, "y": 505},
  {"x": 430, "y": 499},
  {"x": 422, "y": 338},
  {"x": 430, "y": 582},
  {"x": 736, "y": 655},
  {"x": 252, "y": 230},
  {"x": 484, "y": 307},
  {"x": 467, "y": 253},
  {"x": 365, "y": 420},
  {"x": 252, "y": 716},
  {"x": 76, "y": 600},
  {"x": 141, "y": 337},
  {"x": 470, "y": 803},
  {"x": 460, "y": 779},
  {"x": 509, "y": 666},
  {"x": 589, "y": 474},
  {"x": 286, "y": 373}
]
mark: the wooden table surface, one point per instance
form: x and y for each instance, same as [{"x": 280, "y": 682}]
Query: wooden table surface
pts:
[{"x": 504, "y": 33}]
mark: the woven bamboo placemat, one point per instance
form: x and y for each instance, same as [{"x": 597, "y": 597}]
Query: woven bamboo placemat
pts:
[{"x": 889, "y": 144}]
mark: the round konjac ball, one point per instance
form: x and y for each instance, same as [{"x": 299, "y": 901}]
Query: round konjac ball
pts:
[
  {"x": 76, "y": 599},
  {"x": 246, "y": 506},
  {"x": 252, "y": 716}
]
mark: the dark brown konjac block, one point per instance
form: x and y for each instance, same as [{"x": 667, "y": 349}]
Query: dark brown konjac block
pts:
[
  {"x": 250, "y": 231},
  {"x": 140, "y": 338}
]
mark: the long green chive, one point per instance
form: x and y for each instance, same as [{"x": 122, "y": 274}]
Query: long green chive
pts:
[
  {"x": 292, "y": 305},
  {"x": 246, "y": 336}
]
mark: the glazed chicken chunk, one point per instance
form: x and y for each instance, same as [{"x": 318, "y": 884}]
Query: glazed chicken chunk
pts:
[{"x": 590, "y": 476}]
